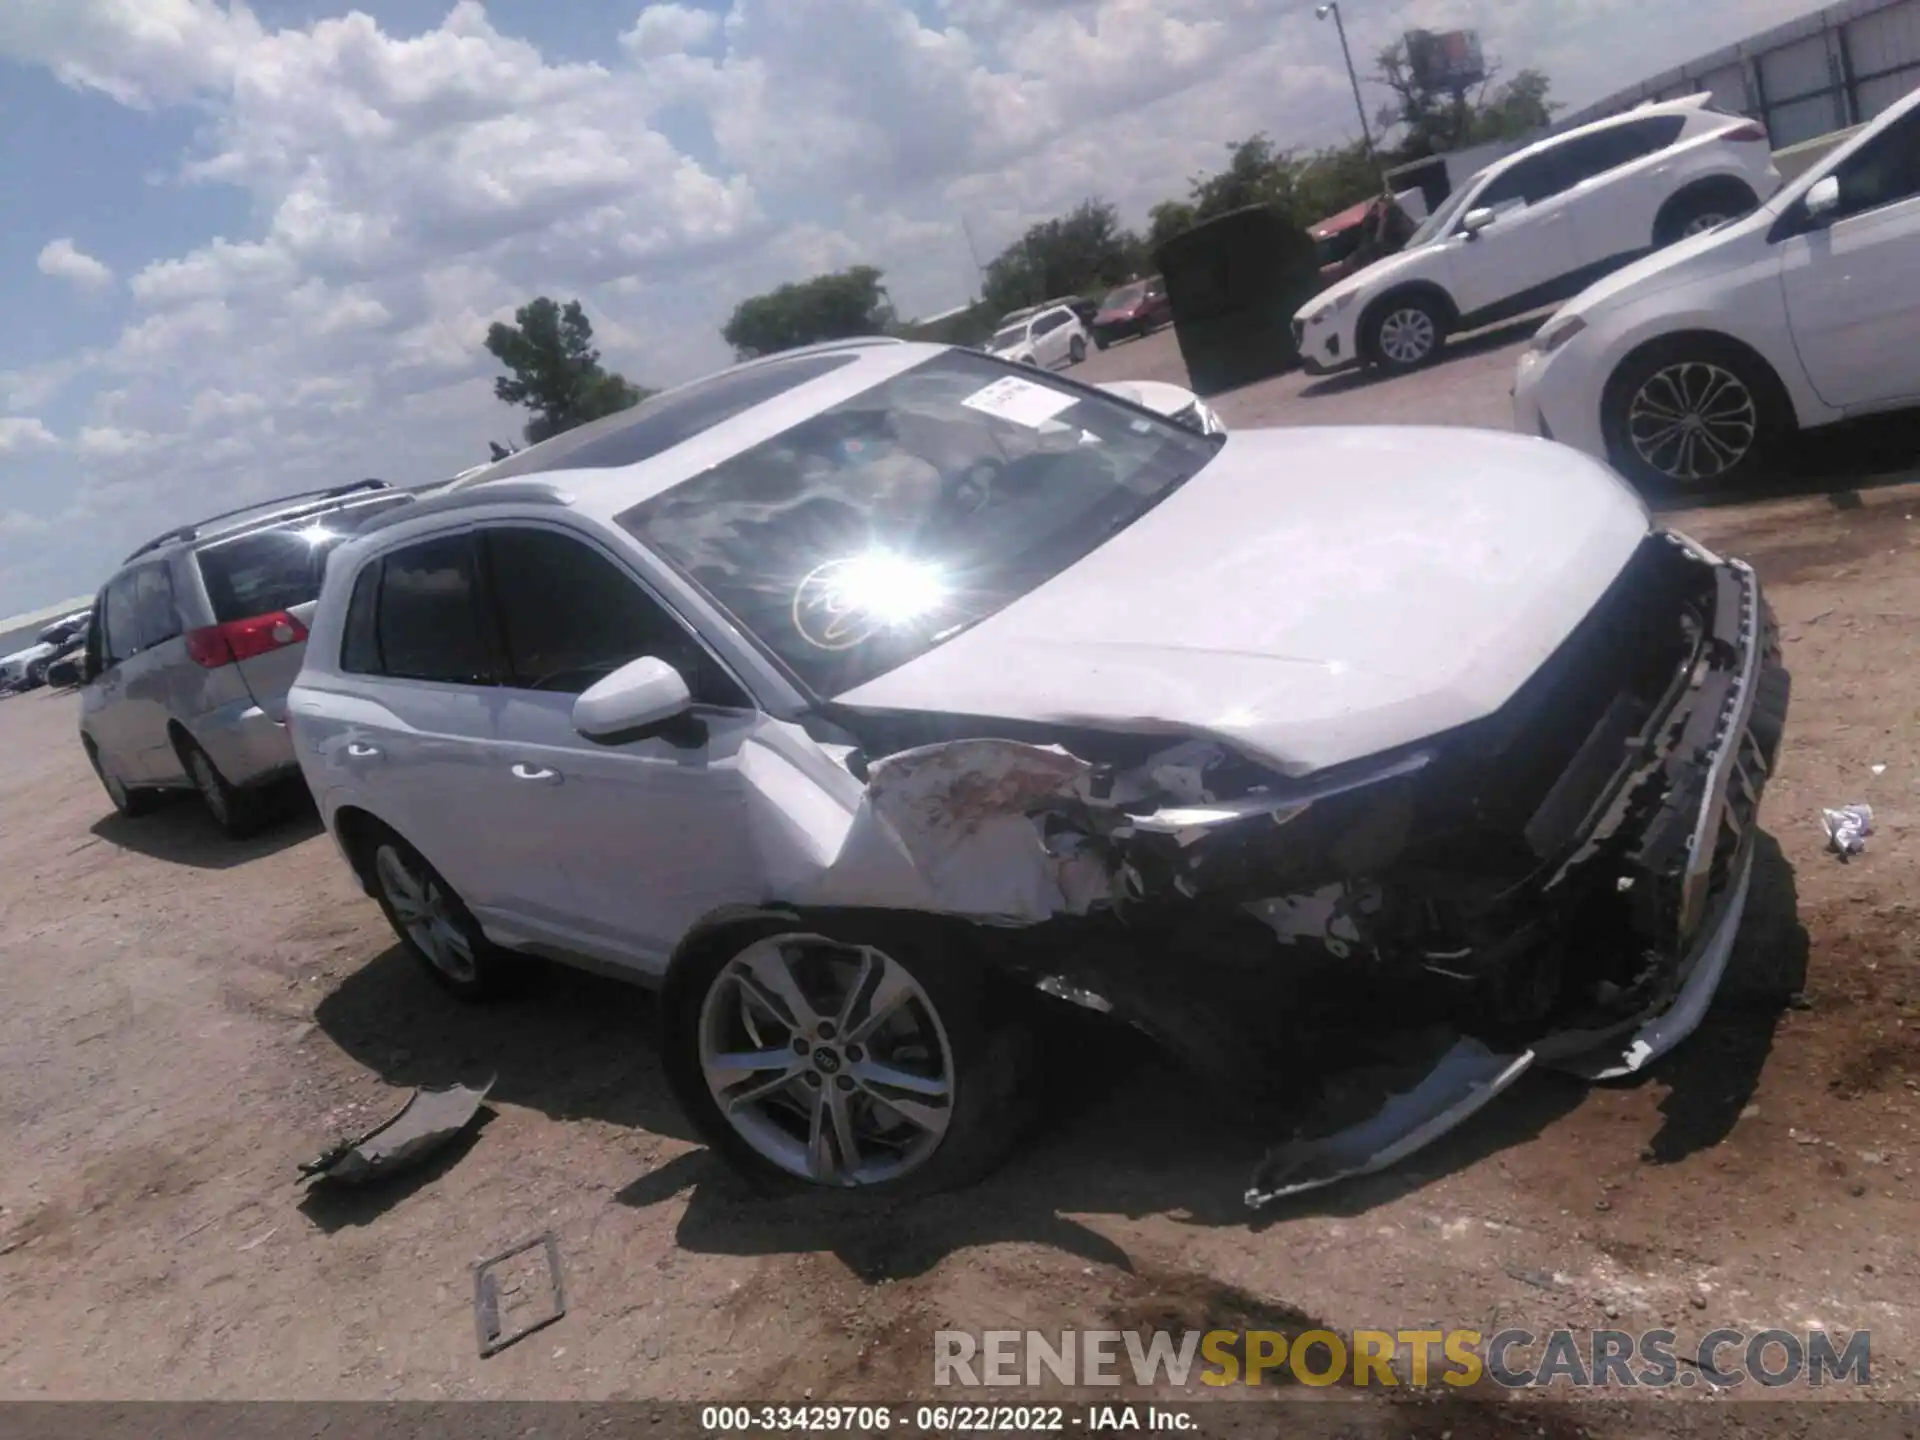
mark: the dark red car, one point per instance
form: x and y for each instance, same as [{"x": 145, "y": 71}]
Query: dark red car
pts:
[{"x": 1136, "y": 308}]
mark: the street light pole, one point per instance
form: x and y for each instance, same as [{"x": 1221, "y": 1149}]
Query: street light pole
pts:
[{"x": 1332, "y": 7}]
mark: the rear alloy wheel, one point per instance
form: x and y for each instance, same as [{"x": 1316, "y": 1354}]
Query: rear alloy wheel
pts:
[
  {"x": 1076, "y": 350},
  {"x": 237, "y": 812},
  {"x": 1407, "y": 335},
  {"x": 1691, "y": 419},
  {"x": 435, "y": 926},
  {"x": 1696, "y": 214},
  {"x": 845, "y": 1064},
  {"x": 127, "y": 801}
]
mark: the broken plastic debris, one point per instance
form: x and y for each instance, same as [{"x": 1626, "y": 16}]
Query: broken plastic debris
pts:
[
  {"x": 1878, "y": 769},
  {"x": 1467, "y": 1077},
  {"x": 430, "y": 1118},
  {"x": 1848, "y": 828}
]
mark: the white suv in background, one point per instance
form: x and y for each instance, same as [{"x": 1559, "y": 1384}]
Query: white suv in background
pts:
[
  {"x": 1050, "y": 337},
  {"x": 1684, "y": 369},
  {"x": 1540, "y": 226}
]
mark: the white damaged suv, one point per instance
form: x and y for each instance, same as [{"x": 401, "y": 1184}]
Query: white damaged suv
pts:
[
  {"x": 859, "y": 696},
  {"x": 1541, "y": 225}
]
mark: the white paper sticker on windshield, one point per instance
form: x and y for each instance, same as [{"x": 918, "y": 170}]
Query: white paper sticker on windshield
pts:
[{"x": 1019, "y": 401}]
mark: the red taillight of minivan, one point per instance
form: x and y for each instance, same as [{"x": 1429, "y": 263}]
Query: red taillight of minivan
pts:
[
  {"x": 1752, "y": 130},
  {"x": 215, "y": 645}
]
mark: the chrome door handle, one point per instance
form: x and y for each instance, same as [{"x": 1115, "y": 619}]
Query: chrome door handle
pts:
[
  {"x": 539, "y": 774},
  {"x": 357, "y": 751}
]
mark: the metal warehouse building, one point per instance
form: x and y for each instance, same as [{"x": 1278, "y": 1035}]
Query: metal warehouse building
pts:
[{"x": 1826, "y": 71}]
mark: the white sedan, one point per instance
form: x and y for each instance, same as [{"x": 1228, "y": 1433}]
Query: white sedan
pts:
[{"x": 1686, "y": 369}]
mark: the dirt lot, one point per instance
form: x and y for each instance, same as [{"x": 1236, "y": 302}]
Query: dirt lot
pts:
[{"x": 186, "y": 1019}]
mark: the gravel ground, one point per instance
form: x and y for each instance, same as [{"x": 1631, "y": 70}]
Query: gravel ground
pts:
[{"x": 186, "y": 1018}]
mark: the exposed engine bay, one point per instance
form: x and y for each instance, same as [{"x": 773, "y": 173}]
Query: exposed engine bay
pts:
[{"x": 1555, "y": 883}]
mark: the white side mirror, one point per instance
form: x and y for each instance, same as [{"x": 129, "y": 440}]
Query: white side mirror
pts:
[
  {"x": 1477, "y": 220},
  {"x": 1824, "y": 198},
  {"x": 639, "y": 695}
]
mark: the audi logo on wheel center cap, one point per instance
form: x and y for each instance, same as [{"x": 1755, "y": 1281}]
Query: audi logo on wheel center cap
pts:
[{"x": 826, "y": 1060}]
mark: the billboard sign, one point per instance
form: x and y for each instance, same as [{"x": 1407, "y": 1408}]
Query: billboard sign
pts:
[{"x": 1446, "y": 60}]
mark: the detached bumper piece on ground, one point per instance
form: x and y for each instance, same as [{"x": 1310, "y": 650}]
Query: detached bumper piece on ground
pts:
[
  {"x": 1387, "y": 945},
  {"x": 431, "y": 1118}
]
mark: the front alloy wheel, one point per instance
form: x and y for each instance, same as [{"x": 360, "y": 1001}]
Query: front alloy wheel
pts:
[
  {"x": 830, "y": 1061},
  {"x": 1406, "y": 336},
  {"x": 1693, "y": 422},
  {"x": 878, "y": 1056}
]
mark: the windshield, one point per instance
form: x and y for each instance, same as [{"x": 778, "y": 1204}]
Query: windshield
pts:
[
  {"x": 871, "y": 532},
  {"x": 1008, "y": 338},
  {"x": 1125, "y": 298},
  {"x": 1439, "y": 221}
]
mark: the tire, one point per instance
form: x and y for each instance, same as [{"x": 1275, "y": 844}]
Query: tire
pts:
[
  {"x": 128, "y": 802},
  {"x": 1100, "y": 340},
  {"x": 1736, "y": 407},
  {"x": 1700, "y": 211},
  {"x": 36, "y": 675},
  {"x": 434, "y": 924},
  {"x": 783, "y": 1130},
  {"x": 239, "y": 812},
  {"x": 1076, "y": 350},
  {"x": 1404, "y": 334}
]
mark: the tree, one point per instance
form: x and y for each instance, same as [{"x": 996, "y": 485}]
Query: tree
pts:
[
  {"x": 1438, "y": 121},
  {"x": 1166, "y": 220},
  {"x": 556, "y": 371},
  {"x": 1085, "y": 249},
  {"x": 1256, "y": 174},
  {"x": 827, "y": 307}
]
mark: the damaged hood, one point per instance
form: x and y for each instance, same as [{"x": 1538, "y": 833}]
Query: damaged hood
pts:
[{"x": 1311, "y": 597}]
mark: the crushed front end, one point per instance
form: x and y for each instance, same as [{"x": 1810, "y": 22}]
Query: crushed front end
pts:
[{"x": 1392, "y": 942}]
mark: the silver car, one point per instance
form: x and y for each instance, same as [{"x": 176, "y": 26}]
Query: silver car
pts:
[{"x": 194, "y": 643}]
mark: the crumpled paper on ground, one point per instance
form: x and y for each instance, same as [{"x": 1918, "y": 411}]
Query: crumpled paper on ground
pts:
[{"x": 1848, "y": 828}]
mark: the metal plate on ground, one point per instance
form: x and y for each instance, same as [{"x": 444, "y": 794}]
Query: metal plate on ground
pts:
[{"x": 518, "y": 1292}]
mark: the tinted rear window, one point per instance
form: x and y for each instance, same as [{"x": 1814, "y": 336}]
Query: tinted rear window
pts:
[
  {"x": 282, "y": 566},
  {"x": 655, "y": 426}
]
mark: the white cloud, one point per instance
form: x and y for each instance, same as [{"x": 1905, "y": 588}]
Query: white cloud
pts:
[
  {"x": 24, "y": 432},
  {"x": 64, "y": 261},
  {"x": 669, "y": 30},
  {"x": 108, "y": 443},
  {"x": 138, "y": 51}
]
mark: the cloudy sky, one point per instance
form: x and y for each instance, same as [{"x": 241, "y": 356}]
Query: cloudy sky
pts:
[{"x": 252, "y": 250}]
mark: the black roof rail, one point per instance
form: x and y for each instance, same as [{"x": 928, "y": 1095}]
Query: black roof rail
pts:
[{"x": 191, "y": 532}]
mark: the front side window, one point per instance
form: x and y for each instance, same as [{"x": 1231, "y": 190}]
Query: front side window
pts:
[
  {"x": 873, "y": 531},
  {"x": 1884, "y": 172},
  {"x": 1530, "y": 181},
  {"x": 428, "y": 620},
  {"x": 570, "y": 617}
]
